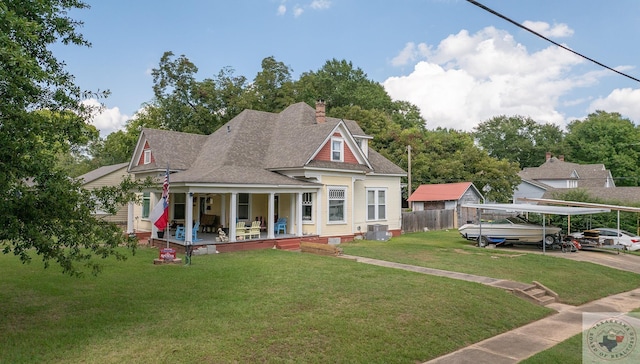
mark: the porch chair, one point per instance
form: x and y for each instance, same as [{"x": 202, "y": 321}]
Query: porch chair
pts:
[
  {"x": 194, "y": 232},
  {"x": 281, "y": 224},
  {"x": 254, "y": 230},
  {"x": 241, "y": 230},
  {"x": 180, "y": 232}
]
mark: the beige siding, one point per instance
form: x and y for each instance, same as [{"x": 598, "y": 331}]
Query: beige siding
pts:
[
  {"x": 111, "y": 179},
  {"x": 341, "y": 228},
  {"x": 393, "y": 202}
]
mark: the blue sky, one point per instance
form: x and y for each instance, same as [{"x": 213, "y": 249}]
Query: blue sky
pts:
[{"x": 460, "y": 64}]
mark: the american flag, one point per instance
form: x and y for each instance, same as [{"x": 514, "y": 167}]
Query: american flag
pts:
[
  {"x": 165, "y": 189},
  {"x": 160, "y": 214}
]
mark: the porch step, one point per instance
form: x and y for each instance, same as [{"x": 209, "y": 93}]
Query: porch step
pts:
[
  {"x": 289, "y": 244},
  {"x": 538, "y": 294}
]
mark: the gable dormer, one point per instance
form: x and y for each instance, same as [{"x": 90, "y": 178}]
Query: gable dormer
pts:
[
  {"x": 146, "y": 157},
  {"x": 336, "y": 149}
]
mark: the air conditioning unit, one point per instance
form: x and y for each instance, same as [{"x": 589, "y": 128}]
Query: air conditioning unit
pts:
[{"x": 378, "y": 232}]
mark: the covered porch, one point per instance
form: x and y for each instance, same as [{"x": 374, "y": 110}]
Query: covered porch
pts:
[
  {"x": 210, "y": 243},
  {"x": 279, "y": 211}
]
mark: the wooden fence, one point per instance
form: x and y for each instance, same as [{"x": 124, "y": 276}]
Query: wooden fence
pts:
[
  {"x": 431, "y": 219},
  {"x": 444, "y": 219}
]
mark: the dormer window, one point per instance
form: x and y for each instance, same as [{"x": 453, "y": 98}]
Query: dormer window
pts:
[
  {"x": 337, "y": 150},
  {"x": 147, "y": 156}
]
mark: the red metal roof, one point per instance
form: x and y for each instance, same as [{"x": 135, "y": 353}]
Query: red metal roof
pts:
[{"x": 440, "y": 192}]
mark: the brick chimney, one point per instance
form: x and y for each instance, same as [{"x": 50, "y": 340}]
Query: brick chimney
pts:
[
  {"x": 561, "y": 157},
  {"x": 320, "y": 112},
  {"x": 548, "y": 156}
]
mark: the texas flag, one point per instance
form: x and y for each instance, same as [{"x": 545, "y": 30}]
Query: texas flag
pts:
[{"x": 160, "y": 214}]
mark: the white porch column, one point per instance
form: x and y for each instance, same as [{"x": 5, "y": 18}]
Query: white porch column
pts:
[
  {"x": 188, "y": 223},
  {"x": 270, "y": 222},
  {"x": 223, "y": 211},
  {"x": 318, "y": 205},
  {"x": 299, "y": 214},
  {"x": 130, "y": 228},
  {"x": 232, "y": 217}
]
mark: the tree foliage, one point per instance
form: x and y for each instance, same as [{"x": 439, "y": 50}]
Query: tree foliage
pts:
[
  {"x": 519, "y": 139},
  {"x": 610, "y": 139},
  {"x": 44, "y": 211}
]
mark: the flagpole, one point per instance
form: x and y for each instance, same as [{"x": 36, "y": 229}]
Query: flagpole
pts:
[{"x": 166, "y": 234}]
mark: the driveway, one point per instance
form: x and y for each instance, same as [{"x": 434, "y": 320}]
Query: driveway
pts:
[
  {"x": 622, "y": 261},
  {"x": 610, "y": 258}
]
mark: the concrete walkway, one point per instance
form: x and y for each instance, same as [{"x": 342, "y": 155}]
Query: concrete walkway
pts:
[{"x": 523, "y": 342}]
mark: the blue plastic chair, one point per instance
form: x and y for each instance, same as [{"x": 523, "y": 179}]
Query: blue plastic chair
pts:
[
  {"x": 180, "y": 233},
  {"x": 281, "y": 225}
]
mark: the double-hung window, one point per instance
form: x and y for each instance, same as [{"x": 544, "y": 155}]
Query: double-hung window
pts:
[
  {"x": 243, "y": 206},
  {"x": 146, "y": 204},
  {"x": 147, "y": 156},
  {"x": 307, "y": 206},
  {"x": 337, "y": 204},
  {"x": 179, "y": 206},
  {"x": 376, "y": 204},
  {"x": 337, "y": 150}
]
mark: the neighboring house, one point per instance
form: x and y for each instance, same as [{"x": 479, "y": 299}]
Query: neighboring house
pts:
[
  {"x": 555, "y": 173},
  {"x": 317, "y": 172},
  {"x": 623, "y": 196},
  {"x": 107, "y": 176},
  {"x": 445, "y": 196}
]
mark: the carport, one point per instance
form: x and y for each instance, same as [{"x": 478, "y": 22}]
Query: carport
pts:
[
  {"x": 588, "y": 204},
  {"x": 539, "y": 209}
]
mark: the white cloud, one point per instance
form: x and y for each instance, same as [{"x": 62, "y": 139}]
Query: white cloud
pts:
[
  {"x": 106, "y": 120},
  {"x": 624, "y": 101},
  {"x": 557, "y": 31},
  {"x": 410, "y": 53},
  {"x": 320, "y": 4},
  {"x": 298, "y": 9},
  {"x": 470, "y": 78}
]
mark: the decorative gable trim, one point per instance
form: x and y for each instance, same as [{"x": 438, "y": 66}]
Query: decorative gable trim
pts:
[
  {"x": 146, "y": 157},
  {"x": 350, "y": 152}
]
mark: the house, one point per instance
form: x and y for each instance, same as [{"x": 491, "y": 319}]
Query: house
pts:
[
  {"x": 107, "y": 176},
  {"x": 317, "y": 172},
  {"x": 555, "y": 173},
  {"x": 446, "y": 196},
  {"x": 624, "y": 196}
]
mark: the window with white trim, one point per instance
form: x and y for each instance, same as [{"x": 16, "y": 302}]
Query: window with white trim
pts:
[
  {"x": 179, "y": 206},
  {"x": 147, "y": 156},
  {"x": 146, "y": 204},
  {"x": 307, "y": 206},
  {"x": 337, "y": 197},
  {"x": 243, "y": 206},
  {"x": 337, "y": 150},
  {"x": 376, "y": 204}
]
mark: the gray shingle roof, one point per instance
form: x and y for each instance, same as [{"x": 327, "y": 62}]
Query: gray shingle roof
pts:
[
  {"x": 100, "y": 172},
  {"x": 623, "y": 195},
  {"x": 251, "y": 146},
  {"x": 588, "y": 175}
]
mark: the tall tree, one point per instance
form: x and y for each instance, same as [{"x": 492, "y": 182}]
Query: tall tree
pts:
[
  {"x": 519, "y": 139},
  {"x": 272, "y": 87},
  {"x": 44, "y": 211},
  {"x": 340, "y": 84},
  {"x": 610, "y": 139}
]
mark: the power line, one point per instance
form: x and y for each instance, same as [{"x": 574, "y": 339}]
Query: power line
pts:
[{"x": 549, "y": 40}]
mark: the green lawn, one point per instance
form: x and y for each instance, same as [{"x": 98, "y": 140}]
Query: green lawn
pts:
[
  {"x": 258, "y": 306},
  {"x": 277, "y": 306},
  {"x": 575, "y": 282}
]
